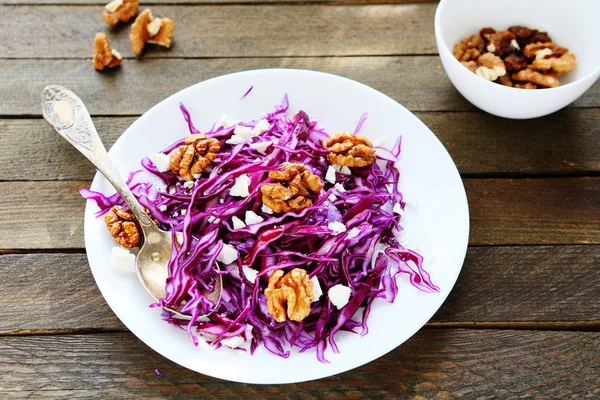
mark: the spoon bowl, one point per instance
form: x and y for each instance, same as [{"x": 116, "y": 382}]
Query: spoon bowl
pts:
[{"x": 67, "y": 114}]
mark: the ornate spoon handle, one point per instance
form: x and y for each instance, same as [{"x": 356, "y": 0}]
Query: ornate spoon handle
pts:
[{"x": 67, "y": 114}]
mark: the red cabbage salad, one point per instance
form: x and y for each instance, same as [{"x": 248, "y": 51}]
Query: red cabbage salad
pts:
[{"x": 345, "y": 240}]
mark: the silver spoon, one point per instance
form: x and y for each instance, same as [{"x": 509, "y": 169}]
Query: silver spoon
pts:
[{"x": 67, "y": 114}]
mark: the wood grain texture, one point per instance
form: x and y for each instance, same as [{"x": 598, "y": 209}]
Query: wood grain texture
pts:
[
  {"x": 49, "y": 215},
  {"x": 220, "y": 2},
  {"x": 534, "y": 211},
  {"x": 501, "y": 285},
  {"x": 434, "y": 364},
  {"x": 227, "y": 31},
  {"x": 418, "y": 83},
  {"x": 479, "y": 143}
]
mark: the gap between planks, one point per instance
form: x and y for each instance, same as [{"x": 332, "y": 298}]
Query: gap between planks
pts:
[{"x": 575, "y": 326}]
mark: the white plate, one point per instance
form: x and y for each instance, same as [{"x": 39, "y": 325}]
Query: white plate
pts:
[{"x": 436, "y": 219}]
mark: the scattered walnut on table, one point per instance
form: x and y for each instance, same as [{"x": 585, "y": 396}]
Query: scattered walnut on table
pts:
[
  {"x": 194, "y": 156},
  {"x": 146, "y": 29},
  {"x": 104, "y": 56},
  {"x": 290, "y": 294},
  {"x": 468, "y": 49},
  {"x": 349, "y": 150},
  {"x": 123, "y": 226},
  {"x": 540, "y": 79},
  {"x": 293, "y": 188},
  {"x": 120, "y": 11}
]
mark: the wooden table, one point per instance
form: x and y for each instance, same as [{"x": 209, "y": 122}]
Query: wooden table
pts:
[{"x": 524, "y": 317}]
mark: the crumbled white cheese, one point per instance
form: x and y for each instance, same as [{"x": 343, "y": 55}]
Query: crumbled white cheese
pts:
[
  {"x": 179, "y": 237},
  {"x": 253, "y": 218},
  {"x": 161, "y": 161},
  {"x": 233, "y": 342},
  {"x": 240, "y": 188},
  {"x": 250, "y": 273},
  {"x": 332, "y": 197},
  {"x": 113, "y": 5},
  {"x": 221, "y": 201},
  {"x": 162, "y": 207},
  {"x": 261, "y": 127},
  {"x": 514, "y": 44},
  {"x": 228, "y": 254},
  {"x": 237, "y": 223},
  {"x": 183, "y": 211},
  {"x": 188, "y": 184},
  {"x": 122, "y": 259},
  {"x": 210, "y": 218},
  {"x": 339, "y": 295},
  {"x": 241, "y": 134},
  {"x": 176, "y": 214},
  {"x": 197, "y": 176},
  {"x": 330, "y": 175},
  {"x": 154, "y": 26},
  {"x": 340, "y": 188},
  {"x": 116, "y": 54},
  {"x": 398, "y": 209},
  {"x": 336, "y": 227},
  {"x": 227, "y": 121},
  {"x": 261, "y": 147},
  {"x": 317, "y": 291},
  {"x": 352, "y": 233},
  {"x": 345, "y": 170},
  {"x": 264, "y": 208}
]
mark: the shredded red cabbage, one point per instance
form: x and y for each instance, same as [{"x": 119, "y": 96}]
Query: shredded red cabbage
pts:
[{"x": 364, "y": 203}]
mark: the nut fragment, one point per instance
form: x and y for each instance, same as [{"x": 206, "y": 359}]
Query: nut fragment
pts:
[
  {"x": 104, "y": 56},
  {"x": 527, "y": 85},
  {"x": 515, "y": 62},
  {"x": 531, "y": 50},
  {"x": 194, "y": 156},
  {"x": 501, "y": 41},
  {"x": 349, "y": 150},
  {"x": 471, "y": 65},
  {"x": 293, "y": 190},
  {"x": 294, "y": 290},
  {"x": 505, "y": 80},
  {"x": 469, "y": 48},
  {"x": 144, "y": 30},
  {"x": 120, "y": 10},
  {"x": 491, "y": 67},
  {"x": 559, "y": 66},
  {"x": 538, "y": 78},
  {"x": 123, "y": 226}
]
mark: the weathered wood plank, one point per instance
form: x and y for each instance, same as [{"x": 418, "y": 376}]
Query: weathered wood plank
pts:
[
  {"x": 479, "y": 144},
  {"x": 186, "y": 2},
  {"x": 534, "y": 211},
  {"x": 440, "y": 364},
  {"x": 231, "y": 31},
  {"x": 49, "y": 215},
  {"x": 418, "y": 83},
  {"x": 540, "y": 284}
]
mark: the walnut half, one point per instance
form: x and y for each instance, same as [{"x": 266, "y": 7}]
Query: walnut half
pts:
[
  {"x": 120, "y": 10},
  {"x": 292, "y": 190},
  {"x": 104, "y": 56},
  {"x": 294, "y": 290},
  {"x": 194, "y": 156},
  {"x": 123, "y": 226},
  {"x": 349, "y": 150},
  {"x": 146, "y": 29}
]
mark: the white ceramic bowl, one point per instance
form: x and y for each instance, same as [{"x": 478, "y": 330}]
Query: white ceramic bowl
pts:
[{"x": 572, "y": 24}]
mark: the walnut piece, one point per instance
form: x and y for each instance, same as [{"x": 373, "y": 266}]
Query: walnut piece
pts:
[
  {"x": 502, "y": 43},
  {"x": 349, "y": 150},
  {"x": 293, "y": 190},
  {"x": 104, "y": 56},
  {"x": 529, "y": 75},
  {"x": 468, "y": 49},
  {"x": 515, "y": 62},
  {"x": 531, "y": 50},
  {"x": 194, "y": 156},
  {"x": 558, "y": 66},
  {"x": 123, "y": 226},
  {"x": 146, "y": 29},
  {"x": 471, "y": 65},
  {"x": 527, "y": 85},
  {"x": 491, "y": 67},
  {"x": 505, "y": 80},
  {"x": 120, "y": 10},
  {"x": 294, "y": 290}
]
